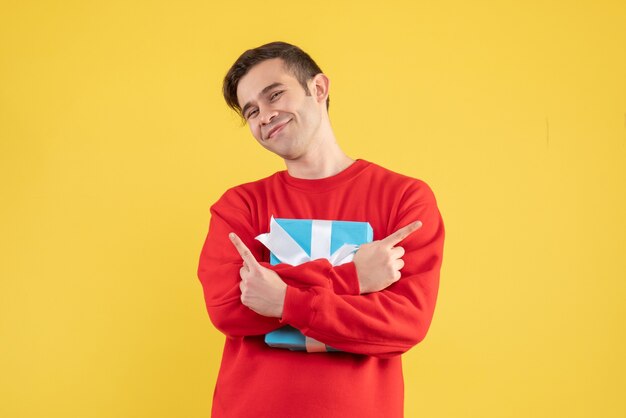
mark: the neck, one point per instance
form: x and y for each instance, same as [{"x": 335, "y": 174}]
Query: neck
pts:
[
  {"x": 323, "y": 159},
  {"x": 319, "y": 165}
]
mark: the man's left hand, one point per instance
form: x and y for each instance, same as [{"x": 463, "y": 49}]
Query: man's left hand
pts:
[{"x": 262, "y": 290}]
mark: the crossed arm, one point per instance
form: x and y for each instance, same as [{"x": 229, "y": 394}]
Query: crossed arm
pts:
[
  {"x": 378, "y": 266},
  {"x": 350, "y": 307}
]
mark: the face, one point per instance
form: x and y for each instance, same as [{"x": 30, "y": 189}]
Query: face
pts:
[{"x": 281, "y": 116}]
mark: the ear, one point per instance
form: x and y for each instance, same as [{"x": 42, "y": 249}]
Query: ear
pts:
[{"x": 320, "y": 85}]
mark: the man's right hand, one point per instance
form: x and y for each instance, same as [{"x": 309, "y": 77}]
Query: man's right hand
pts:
[{"x": 378, "y": 263}]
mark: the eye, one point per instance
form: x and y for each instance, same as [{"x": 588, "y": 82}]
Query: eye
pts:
[
  {"x": 252, "y": 113},
  {"x": 276, "y": 95}
]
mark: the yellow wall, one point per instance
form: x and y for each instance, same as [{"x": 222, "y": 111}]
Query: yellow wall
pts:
[{"x": 114, "y": 141}]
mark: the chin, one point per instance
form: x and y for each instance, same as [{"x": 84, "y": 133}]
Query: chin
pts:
[
  {"x": 284, "y": 154},
  {"x": 292, "y": 156}
]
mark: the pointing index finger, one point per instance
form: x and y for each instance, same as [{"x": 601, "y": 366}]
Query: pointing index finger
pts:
[
  {"x": 243, "y": 251},
  {"x": 402, "y": 233}
]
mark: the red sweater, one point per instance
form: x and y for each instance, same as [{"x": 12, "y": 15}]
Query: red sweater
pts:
[{"x": 372, "y": 330}]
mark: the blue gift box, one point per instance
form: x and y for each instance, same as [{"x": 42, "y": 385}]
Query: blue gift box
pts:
[
  {"x": 290, "y": 338},
  {"x": 295, "y": 241},
  {"x": 342, "y": 232}
]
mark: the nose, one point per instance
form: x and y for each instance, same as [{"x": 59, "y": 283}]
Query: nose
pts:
[{"x": 267, "y": 115}]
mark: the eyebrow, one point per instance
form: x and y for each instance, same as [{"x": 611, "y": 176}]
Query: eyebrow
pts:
[{"x": 265, "y": 90}]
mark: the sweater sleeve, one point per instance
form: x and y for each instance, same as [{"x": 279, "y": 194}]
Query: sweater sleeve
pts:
[
  {"x": 342, "y": 279},
  {"x": 219, "y": 266},
  {"x": 218, "y": 271},
  {"x": 384, "y": 323}
]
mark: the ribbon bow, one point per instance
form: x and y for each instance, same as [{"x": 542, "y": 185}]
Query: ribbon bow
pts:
[{"x": 288, "y": 251}]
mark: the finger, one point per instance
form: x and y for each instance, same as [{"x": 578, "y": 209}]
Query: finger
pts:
[
  {"x": 402, "y": 233},
  {"x": 397, "y": 252},
  {"x": 242, "y": 272},
  {"x": 244, "y": 252},
  {"x": 242, "y": 298},
  {"x": 398, "y": 264},
  {"x": 396, "y": 276}
]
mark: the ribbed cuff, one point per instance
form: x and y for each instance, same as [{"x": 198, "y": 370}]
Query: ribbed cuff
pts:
[
  {"x": 346, "y": 280},
  {"x": 299, "y": 309}
]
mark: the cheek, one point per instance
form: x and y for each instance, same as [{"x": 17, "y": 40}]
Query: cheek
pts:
[{"x": 255, "y": 131}]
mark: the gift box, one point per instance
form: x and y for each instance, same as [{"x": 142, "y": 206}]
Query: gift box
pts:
[
  {"x": 290, "y": 338},
  {"x": 296, "y": 241}
]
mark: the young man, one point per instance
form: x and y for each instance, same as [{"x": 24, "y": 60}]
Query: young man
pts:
[{"x": 371, "y": 309}]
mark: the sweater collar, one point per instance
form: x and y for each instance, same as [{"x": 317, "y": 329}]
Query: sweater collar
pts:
[{"x": 326, "y": 183}]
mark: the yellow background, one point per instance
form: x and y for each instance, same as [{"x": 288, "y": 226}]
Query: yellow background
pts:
[{"x": 115, "y": 141}]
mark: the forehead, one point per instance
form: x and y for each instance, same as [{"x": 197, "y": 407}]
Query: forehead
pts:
[{"x": 260, "y": 76}]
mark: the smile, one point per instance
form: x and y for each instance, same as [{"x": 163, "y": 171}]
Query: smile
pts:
[{"x": 276, "y": 130}]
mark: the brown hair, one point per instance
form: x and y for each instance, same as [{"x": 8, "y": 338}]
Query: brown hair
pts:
[{"x": 298, "y": 62}]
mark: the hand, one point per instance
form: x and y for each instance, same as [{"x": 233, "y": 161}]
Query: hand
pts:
[
  {"x": 378, "y": 263},
  {"x": 262, "y": 290}
]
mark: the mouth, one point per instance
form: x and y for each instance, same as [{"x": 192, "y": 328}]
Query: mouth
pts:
[{"x": 276, "y": 129}]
